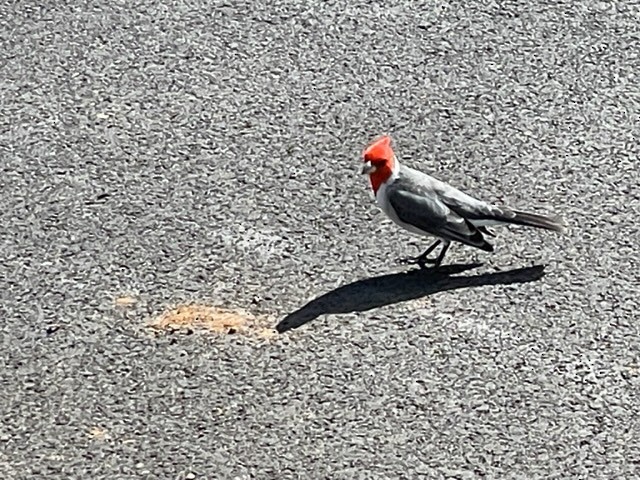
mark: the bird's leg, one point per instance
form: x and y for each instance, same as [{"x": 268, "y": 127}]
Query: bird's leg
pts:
[
  {"x": 443, "y": 252},
  {"x": 422, "y": 259}
]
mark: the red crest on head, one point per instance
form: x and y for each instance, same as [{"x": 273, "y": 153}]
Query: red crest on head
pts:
[{"x": 379, "y": 150}]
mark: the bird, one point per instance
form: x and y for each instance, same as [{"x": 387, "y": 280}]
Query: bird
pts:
[{"x": 427, "y": 206}]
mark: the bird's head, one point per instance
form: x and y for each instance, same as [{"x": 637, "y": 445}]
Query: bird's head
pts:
[{"x": 379, "y": 161}]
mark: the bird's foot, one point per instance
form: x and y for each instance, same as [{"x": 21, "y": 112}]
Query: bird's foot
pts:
[{"x": 420, "y": 261}]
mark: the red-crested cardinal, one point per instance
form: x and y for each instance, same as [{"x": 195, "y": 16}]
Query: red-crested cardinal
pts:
[{"x": 426, "y": 206}]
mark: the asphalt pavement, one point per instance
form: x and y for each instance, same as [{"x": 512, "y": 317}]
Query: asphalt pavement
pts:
[{"x": 156, "y": 154}]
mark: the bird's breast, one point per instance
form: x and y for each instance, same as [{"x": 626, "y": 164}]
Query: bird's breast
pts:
[{"x": 382, "y": 199}]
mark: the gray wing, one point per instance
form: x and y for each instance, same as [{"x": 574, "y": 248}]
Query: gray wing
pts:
[
  {"x": 464, "y": 205},
  {"x": 426, "y": 211},
  {"x": 471, "y": 208}
]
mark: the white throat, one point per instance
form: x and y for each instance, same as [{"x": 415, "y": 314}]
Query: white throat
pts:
[
  {"x": 381, "y": 195},
  {"x": 395, "y": 171}
]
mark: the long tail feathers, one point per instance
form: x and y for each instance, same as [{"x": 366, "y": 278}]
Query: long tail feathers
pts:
[{"x": 534, "y": 220}]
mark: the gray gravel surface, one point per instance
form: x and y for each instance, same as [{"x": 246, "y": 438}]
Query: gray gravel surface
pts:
[{"x": 193, "y": 151}]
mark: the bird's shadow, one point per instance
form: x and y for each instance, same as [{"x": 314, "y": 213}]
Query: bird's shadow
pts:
[{"x": 375, "y": 292}]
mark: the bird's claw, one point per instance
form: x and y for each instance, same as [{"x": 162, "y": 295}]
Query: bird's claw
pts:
[{"x": 420, "y": 261}]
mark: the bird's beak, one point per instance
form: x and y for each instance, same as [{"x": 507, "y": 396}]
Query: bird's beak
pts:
[{"x": 367, "y": 168}]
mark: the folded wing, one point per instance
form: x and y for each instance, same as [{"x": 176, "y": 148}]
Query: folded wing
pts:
[{"x": 429, "y": 213}]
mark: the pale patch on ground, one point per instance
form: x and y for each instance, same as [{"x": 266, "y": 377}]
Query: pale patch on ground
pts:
[
  {"x": 98, "y": 433},
  {"x": 212, "y": 319},
  {"x": 261, "y": 244},
  {"x": 473, "y": 325},
  {"x": 125, "y": 301}
]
